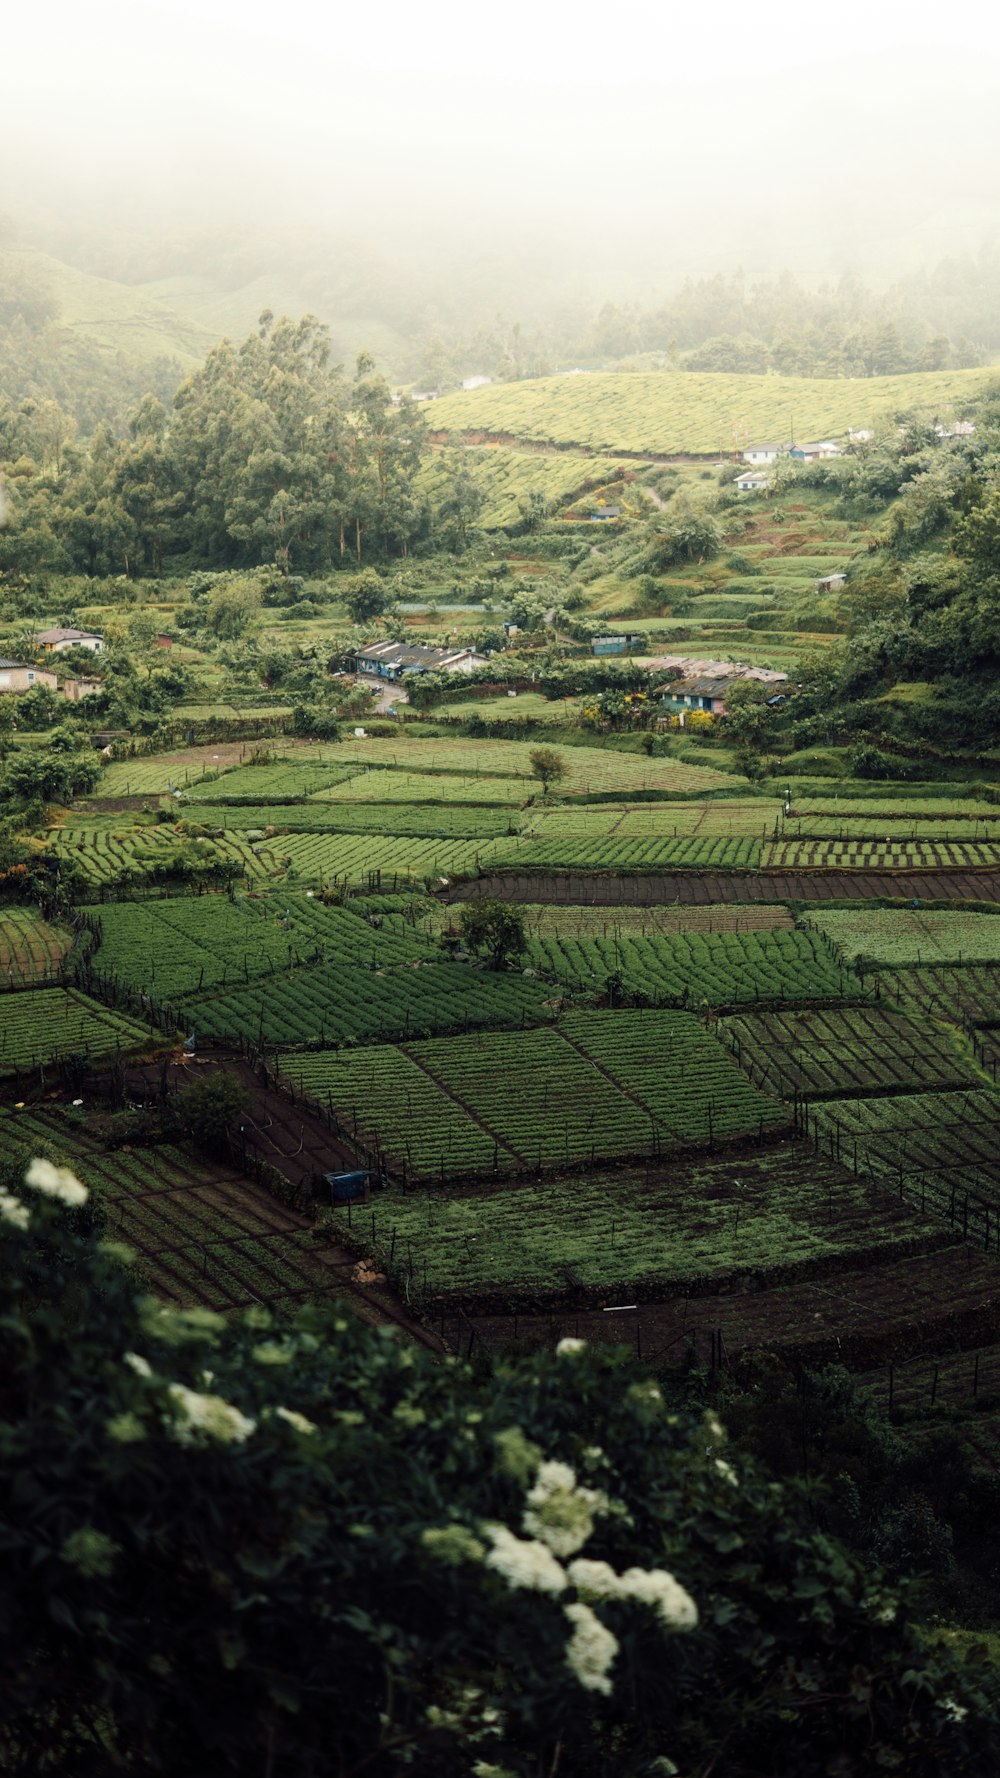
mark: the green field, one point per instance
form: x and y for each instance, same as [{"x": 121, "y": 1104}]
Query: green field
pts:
[
  {"x": 632, "y": 1234},
  {"x": 31, "y": 950},
  {"x": 835, "y": 1051},
  {"x": 587, "y": 768},
  {"x": 45, "y": 1024},
  {"x": 670, "y": 412},
  {"x": 467, "y": 821},
  {"x": 597, "y": 1086},
  {"x": 176, "y": 947},
  {"x": 722, "y": 968},
  {"x": 903, "y": 936},
  {"x": 329, "y": 1003},
  {"x": 504, "y": 477}
]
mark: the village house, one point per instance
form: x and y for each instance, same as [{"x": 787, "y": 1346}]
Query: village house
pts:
[
  {"x": 830, "y": 583},
  {"x": 392, "y": 660},
  {"x": 764, "y": 453},
  {"x": 605, "y": 512},
  {"x": 704, "y": 685},
  {"x": 811, "y": 453},
  {"x": 57, "y": 640},
  {"x": 16, "y": 676},
  {"x": 75, "y": 689},
  {"x": 753, "y": 481}
]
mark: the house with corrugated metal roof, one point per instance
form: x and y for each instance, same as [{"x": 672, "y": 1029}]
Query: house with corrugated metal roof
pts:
[{"x": 394, "y": 660}]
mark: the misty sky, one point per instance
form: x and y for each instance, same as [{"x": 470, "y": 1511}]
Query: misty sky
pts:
[{"x": 759, "y": 134}]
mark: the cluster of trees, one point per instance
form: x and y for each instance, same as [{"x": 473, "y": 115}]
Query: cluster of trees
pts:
[
  {"x": 942, "y": 320},
  {"x": 268, "y": 454},
  {"x": 924, "y": 604}
]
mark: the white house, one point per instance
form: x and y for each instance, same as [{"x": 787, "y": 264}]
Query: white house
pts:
[
  {"x": 764, "y": 453},
  {"x": 753, "y": 481},
  {"x": 56, "y": 640}
]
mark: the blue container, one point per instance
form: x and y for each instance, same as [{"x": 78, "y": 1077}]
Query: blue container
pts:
[{"x": 342, "y": 1187}]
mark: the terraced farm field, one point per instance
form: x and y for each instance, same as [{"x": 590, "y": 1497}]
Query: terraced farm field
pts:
[
  {"x": 901, "y": 936},
  {"x": 44, "y": 1024},
  {"x": 903, "y": 854},
  {"x": 330, "y": 1003},
  {"x": 668, "y": 413},
  {"x": 615, "y": 853},
  {"x": 833, "y": 1051},
  {"x": 365, "y": 858},
  {"x": 635, "y": 1234},
  {"x": 31, "y": 950},
  {"x": 969, "y": 994},
  {"x": 722, "y": 968},
  {"x": 505, "y": 477},
  {"x": 283, "y": 781},
  {"x": 408, "y": 820},
  {"x": 599, "y": 1085},
  {"x": 178, "y": 946},
  {"x": 161, "y": 772},
  {"x": 202, "y": 1233},
  {"x": 933, "y": 1147},
  {"x": 724, "y": 818},
  {"x": 103, "y": 853},
  {"x": 387, "y": 785},
  {"x": 589, "y": 769}
]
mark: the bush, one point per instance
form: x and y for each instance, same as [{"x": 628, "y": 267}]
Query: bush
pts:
[{"x": 304, "y": 1548}]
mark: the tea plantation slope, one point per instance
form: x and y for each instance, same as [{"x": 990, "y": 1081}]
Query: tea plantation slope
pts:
[{"x": 670, "y": 413}]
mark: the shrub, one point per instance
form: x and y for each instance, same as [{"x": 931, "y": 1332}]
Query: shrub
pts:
[{"x": 303, "y": 1548}]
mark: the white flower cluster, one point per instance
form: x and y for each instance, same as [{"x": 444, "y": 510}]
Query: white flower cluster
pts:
[
  {"x": 568, "y": 1348},
  {"x": 523, "y": 1564},
  {"x": 13, "y": 1211},
  {"x": 954, "y": 1712},
  {"x": 56, "y": 1182},
  {"x": 591, "y": 1648},
  {"x": 561, "y": 1516},
  {"x": 654, "y": 1587},
  {"x": 206, "y": 1416},
  {"x": 558, "y": 1512}
]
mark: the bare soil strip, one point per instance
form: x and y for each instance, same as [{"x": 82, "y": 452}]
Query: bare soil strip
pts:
[{"x": 697, "y": 888}]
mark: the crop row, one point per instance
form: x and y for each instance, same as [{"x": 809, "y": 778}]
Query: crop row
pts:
[
  {"x": 722, "y": 967},
  {"x": 357, "y": 858}
]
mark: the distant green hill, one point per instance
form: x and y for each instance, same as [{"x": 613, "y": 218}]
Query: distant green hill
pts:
[
  {"x": 117, "y": 317},
  {"x": 671, "y": 412}
]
